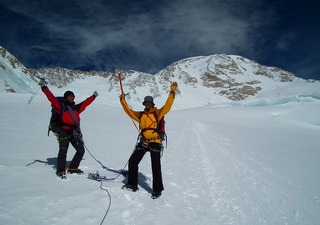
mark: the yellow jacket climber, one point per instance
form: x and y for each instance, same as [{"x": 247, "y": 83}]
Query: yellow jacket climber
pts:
[{"x": 150, "y": 140}]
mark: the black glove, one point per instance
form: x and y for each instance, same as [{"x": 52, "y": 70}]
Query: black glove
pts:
[{"x": 95, "y": 94}]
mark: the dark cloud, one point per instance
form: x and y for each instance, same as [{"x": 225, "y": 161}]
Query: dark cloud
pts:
[{"x": 148, "y": 35}]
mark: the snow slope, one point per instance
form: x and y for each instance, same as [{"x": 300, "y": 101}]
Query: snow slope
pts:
[
  {"x": 12, "y": 75},
  {"x": 254, "y": 162}
]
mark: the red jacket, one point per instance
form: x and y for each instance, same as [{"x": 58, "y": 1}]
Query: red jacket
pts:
[{"x": 66, "y": 116}]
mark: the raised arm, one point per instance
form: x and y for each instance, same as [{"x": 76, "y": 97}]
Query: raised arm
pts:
[
  {"x": 133, "y": 114},
  {"x": 54, "y": 101},
  {"x": 83, "y": 105},
  {"x": 169, "y": 102}
]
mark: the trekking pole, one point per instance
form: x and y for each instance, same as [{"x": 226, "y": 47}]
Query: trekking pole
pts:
[
  {"x": 34, "y": 94},
  {"x": 122, "y": 92}
]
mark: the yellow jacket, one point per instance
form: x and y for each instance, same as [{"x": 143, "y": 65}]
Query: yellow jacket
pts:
[{"x": 146, "y": 120}]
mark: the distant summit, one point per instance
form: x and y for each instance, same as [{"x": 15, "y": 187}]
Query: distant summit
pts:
[{"x": 203, "y": 79}]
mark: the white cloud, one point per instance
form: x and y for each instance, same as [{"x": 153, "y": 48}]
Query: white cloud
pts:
[{"x": 172, "y": 29}]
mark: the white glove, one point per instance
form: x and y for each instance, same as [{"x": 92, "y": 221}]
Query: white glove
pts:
[{"x": 42, "y": 83}]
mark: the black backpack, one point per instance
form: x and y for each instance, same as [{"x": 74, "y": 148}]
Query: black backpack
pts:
[{"x": 55, "y": 120}]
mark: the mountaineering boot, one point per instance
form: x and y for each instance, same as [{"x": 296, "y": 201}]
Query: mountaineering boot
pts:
[
  {"x": 130, "y": 187},
  {"x": 72, "y": 171},
  {"x": 61, "y": 174},
  {"x": 155, "y": 194}
]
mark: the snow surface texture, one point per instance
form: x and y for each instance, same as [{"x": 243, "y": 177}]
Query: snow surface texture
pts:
[{"x": 252, "y": 162}]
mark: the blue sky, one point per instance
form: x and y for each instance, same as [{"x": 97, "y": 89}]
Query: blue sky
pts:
[{"x": 148, "y": 35}]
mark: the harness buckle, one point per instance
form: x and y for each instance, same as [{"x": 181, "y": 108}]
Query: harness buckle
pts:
[
  {"x": 145, "y": 144},
  {"x": 77, "y": 133}
]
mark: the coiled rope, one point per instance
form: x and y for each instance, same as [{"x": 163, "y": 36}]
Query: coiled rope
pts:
[{"x": 96, "y": 176}]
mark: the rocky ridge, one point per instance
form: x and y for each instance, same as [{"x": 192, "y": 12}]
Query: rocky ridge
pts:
[{"x": 233, "y": 77}]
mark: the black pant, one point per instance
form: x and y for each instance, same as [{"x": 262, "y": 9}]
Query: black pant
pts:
[
  {"x": 66, "y": 137},
  {"x": 136, "y": 157}
]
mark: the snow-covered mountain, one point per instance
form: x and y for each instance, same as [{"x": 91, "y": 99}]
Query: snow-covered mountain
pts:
[
  {"x": 258, "y": 167},
  {"x": 203, "y": 80},
  {"x": 14, "y": 76}
]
